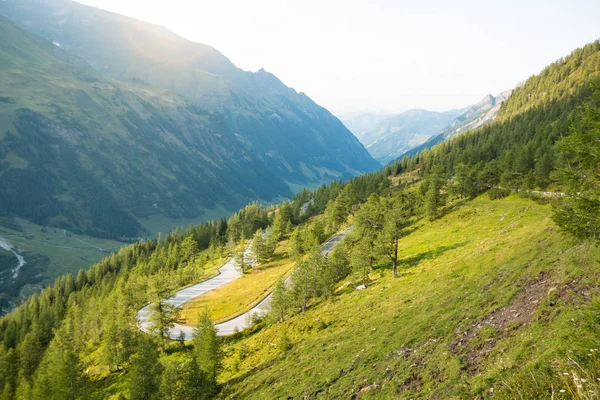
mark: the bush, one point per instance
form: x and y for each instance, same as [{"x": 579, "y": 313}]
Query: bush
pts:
[
  {"x": 285, "y": 344},
  {"x": 497, "y": 193}
]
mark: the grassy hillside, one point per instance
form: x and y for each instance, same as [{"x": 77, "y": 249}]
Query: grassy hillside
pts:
[
  {"x": 469, "y": 315},
  {"x": 242, "y": 294},
  {"x": 48, "y": 253},
  {"x": 491, "y": 299}
]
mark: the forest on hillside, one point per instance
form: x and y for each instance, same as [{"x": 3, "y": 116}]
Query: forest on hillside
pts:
[{"x": 79, "y": 337}]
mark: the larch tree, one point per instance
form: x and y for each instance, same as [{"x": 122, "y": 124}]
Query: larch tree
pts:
[
  {"x": 163, "y": 316},
  {"x": 207, "y": 348},
  {"x": 398, "y": 211},
  {"x": 144, "y": 372},
  {"x": 368, "y": 224},
  {"x": 433, "y": 198},
  {"x": 279, "y": 301}
]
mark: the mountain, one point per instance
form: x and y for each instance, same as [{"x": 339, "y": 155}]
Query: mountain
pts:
[
  {"x": 481, "y": 113},
  {"x": 360, "y": 123},
  {"x": 491, "y": 298},
  {"x": 109, "y": 123},
  {"x": 395, "y": 135}
]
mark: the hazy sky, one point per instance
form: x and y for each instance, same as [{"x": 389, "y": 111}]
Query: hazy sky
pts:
[{"x": 382, "y": 55}]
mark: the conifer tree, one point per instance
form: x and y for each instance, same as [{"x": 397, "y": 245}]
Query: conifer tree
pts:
[
  {"x": 303, "y": 284},
  {"x": 163, "y": 317},
  {"x": 361, "y": 257},
  {"x": 207, "y": 349},
  {"x": 279, "y": 301},
  {"x": 144, "y": 372},
  {"x": 278, "y": 229},
  {"x": 433, "y": 198},
  {"x": 398, "y": 211},
  {"x": 242, "y": 262}
]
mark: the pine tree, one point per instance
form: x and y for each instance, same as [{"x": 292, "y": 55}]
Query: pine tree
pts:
[
  {"x": 361, "y": 257},
  {"x": 296, "y": 244},
  {"x": 465, "y": 180},
  {"x": 189, "y": 249},
  {"x": 207, "y": 349},
  {"x": 398, "y": 211},
  {"x": 144, "y": 372},
  {"x": 263, "y": 246},
  {"x": 196, "y": 384},
  {"x": 241, "y": 261},
  {"x": 368, "y": 223},
  {"x": 259, "y": 246},
  {"x": 434, "y": 199},
  {"x": 59, "y": 376},
  {"x": 279, "y": 301},
  {"x": 302, "y": 284},
  {"x": 118, "y": 342},
  {"x": 30, "y": 354},
  {"x": 163, "y": 317},
  {"x": 170, "y": 382},
  {"x": 278, "y": 229}
]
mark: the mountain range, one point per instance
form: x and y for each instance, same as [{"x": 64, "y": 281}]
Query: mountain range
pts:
[
  {"x": 481, "y": 113},
  {"x": 388, "y": 137},
  {"x": 394, "y": 135},
  {"x": 108, "y": 122}
]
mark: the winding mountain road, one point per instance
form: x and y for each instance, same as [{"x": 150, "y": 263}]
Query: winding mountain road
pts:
[{"x": 227, "y": 273}]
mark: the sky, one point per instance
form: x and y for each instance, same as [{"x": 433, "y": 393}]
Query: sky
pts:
[{"x": 382, "y": 56}]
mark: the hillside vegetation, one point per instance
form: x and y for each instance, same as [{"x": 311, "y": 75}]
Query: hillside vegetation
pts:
[
  {"x": 449, "y": 286},
  {"x": 477, "y": 293},
  {"x": 519, "y": 149}
]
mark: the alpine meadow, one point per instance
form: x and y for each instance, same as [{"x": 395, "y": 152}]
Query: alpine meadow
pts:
[{"x": 173, "y": 226}]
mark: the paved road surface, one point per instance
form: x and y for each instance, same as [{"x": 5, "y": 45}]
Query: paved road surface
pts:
[
  {"x": 227, "y": 274},
  {"x": 240, "y": 322}
]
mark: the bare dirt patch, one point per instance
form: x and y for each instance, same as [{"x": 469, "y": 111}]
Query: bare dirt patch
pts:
[{"x": 481, "y": 336}]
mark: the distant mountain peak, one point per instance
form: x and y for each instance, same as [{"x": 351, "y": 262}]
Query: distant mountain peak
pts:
[{"x": 387, "y": 137}]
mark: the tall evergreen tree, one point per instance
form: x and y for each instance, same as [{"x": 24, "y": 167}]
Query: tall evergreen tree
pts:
[
  {"x": 433, "y": 198},
  {"x": 207, "y": 349},
  {"x": 144, "y": 372},
  {"x": 279, "y": 301},
  {"x": 398, "y": 211},
  {"x": 163, "y": 317}
]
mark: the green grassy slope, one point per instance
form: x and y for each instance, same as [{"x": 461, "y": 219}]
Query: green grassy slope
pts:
[
  {"x": 49, "y": 253},
  {"x": 469, "y": 315}
]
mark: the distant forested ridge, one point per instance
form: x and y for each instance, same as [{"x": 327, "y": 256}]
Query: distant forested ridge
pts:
[{"x": 519, "y": 149}]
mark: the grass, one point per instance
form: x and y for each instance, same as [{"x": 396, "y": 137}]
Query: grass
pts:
[
  {"x": 53, "y": 252},
  {"x": 243, "y": 293},
  {"x": 479, "y": 292}
]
